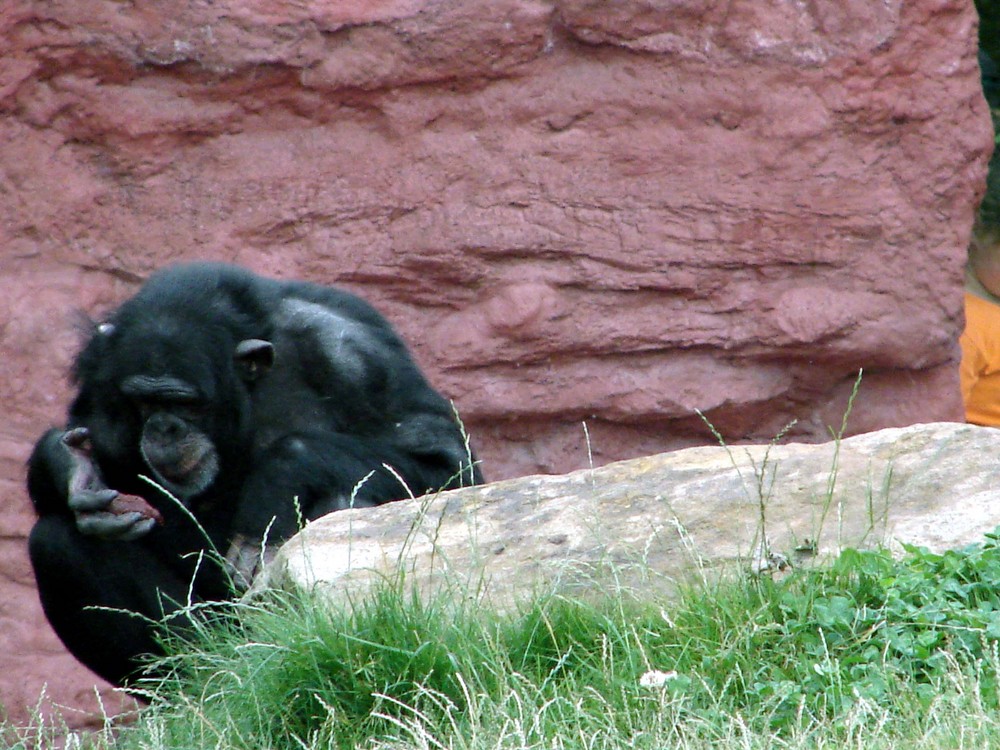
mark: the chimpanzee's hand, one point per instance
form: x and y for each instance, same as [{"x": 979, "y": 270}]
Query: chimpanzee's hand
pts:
[
  {"x": 245, "y": 558},
  {"x": 99, "y": 510}
]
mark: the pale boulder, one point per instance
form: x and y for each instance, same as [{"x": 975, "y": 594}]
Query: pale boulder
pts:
[{"x": 661, "y": 518}]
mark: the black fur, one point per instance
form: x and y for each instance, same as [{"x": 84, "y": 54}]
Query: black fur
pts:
[{"x": 255, "y": 403}]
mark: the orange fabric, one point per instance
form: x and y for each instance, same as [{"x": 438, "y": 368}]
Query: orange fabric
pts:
[{"x": 980, "y": 368}]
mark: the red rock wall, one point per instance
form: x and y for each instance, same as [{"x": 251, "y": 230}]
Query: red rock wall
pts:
[{"x": 611, "y": 212}]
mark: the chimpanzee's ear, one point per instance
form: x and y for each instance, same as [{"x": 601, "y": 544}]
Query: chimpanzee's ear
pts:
[{"x": 253, "y": 358}]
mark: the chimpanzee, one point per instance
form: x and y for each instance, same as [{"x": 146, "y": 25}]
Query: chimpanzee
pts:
[{"x": 215, "y": 411}]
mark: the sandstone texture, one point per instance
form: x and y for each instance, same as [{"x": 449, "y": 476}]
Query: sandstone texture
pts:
[
  {"x": 576, "y": 211},
  {"x": 656, "y": 520}
]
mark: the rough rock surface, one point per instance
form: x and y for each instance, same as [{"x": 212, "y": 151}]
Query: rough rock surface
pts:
[
  {"x": 575, "y": 210},
  {"x": 674, "y": 514}
]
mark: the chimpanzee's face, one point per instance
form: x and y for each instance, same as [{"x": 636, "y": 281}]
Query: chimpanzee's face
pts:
[
  {"x": 175, "y": 441},
  {"x": 173, "y": 396}
]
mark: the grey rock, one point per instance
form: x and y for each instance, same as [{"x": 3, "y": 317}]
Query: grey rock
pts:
[{"x": 658, "y": 519}]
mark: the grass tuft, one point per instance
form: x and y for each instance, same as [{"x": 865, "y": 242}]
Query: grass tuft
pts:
[{"x": 870, "y": 651}]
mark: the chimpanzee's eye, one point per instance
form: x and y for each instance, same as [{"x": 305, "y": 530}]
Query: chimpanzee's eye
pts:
[
  {"x": 186, "y": 409},
  {"x": 145, "y": 408},
  {"x": 190, "y": 411}
]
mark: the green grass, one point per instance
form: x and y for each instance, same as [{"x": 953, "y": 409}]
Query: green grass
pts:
[{"x": 869, "y": 651}]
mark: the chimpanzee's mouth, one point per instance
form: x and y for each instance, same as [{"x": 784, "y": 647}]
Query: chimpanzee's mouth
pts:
[{"x": 188, "y": 474}]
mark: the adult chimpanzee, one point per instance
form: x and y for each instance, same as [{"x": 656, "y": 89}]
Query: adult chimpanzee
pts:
[{"x": 251, "y": 403}]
